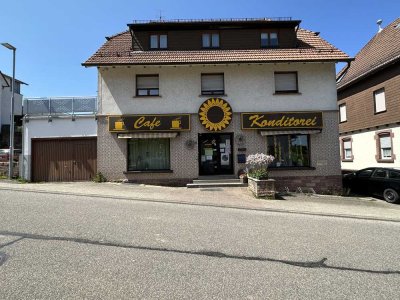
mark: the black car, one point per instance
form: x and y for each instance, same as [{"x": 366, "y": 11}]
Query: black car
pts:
[{"x": 383, "y": 182}]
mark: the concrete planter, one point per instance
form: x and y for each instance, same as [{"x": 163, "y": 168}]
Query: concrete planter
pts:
[{"x": 262, "y": 187}]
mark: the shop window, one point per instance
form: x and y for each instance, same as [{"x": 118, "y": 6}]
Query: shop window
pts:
[
  {"x": 210, "y": 40},
  {"x": 347, "y": 151},
  {"x": 384, "y": 147},
  {"x": 379, "y": 101},
  {"x": 286, "y": 82},
  {"x": 343, "y": 113},
  {"x": 148, "y": 154},
  {"x": 269, "y": 40},
  {"x": 212, "y": 84},
  {"x": 292, "y": 150},
  {"x": 158, "y": 41},
  {"x": 147, "y": 85}
]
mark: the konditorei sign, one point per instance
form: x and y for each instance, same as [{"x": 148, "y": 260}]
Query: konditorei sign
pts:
[
  {"x": 148, "y": 123},
  {"x": 282, "y": 120},
  {"x": 215, "y": 114}
]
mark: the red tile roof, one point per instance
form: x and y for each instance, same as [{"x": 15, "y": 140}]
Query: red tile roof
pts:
[
  {"x": 382, "y": 50},
  {"x": 117, "y": 51}
]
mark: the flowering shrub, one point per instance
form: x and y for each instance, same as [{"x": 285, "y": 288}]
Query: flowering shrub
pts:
[{"x": 257, "y": 165}]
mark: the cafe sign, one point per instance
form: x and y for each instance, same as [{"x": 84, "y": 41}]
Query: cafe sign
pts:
[
  {"x": 282, "y": 120},
  {"x": 148, "y": 123}
]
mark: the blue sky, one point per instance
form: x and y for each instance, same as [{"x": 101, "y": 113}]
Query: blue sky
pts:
[{"x": 54, "y": 37}]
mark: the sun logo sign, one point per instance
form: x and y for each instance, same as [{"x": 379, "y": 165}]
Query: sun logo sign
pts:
[{"x": 215, "y": 114}]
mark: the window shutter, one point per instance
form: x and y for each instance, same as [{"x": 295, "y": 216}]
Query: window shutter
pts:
[
  {"x": 385, "y": 142},
  {"x": 285, "y": 82},
  {"x": 342, "y": 113},
  {"x": 147, "y": 82},
  {"x": 380, "y": 104},
  {"x": 213, "y": 82}
]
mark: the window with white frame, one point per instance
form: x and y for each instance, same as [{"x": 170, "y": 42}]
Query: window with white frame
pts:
[
  {"x": 158, "y": 41},
  {"x": 286, "y": 82},
  {"x": 347, "y": 149},
  {"x": 212, "y": 84},
  {"x": 380, "y": 101},
  {"x": 210, "y": 40},
  {"x": 147, "y": 85},
  {"x": 385, "y": 145},
  {"x": 342, "y": 113}
]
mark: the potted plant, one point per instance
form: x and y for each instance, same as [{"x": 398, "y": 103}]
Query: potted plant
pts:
[{"x": 257, "y": 173}]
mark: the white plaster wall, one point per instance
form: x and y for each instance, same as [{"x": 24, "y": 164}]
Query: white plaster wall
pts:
[
  {"x": 58, "y": 128},
  {"x": 364, "y": 150},
  {"x": 248, "y": 88}
]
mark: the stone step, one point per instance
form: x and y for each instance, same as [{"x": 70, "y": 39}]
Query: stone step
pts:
[{"x": 216, "y": 183}]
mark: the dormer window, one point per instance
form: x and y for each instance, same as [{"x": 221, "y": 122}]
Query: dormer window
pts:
[
  {"x": 210, "y": 40},
  {"x": 269, "y": 40},
  {"x": 158, "y": 41}
]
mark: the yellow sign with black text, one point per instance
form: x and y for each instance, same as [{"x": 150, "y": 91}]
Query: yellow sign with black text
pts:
[
  {"x": 148, "y": 123},
  {"x": 282, "y": 120}
]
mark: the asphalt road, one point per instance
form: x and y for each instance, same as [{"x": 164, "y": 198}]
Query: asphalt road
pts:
[{"x": 68, "y": 247}]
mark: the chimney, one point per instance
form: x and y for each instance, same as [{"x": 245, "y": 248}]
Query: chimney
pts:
[{"x": 379, "y": 22}]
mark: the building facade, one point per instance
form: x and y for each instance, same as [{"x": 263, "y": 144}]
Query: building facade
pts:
[
  {"x": 59, "y": 139},
  {"x": 5, "y": 111},
  {"x": 182, "y": 99},
  {"x": 369, "y": 104}
]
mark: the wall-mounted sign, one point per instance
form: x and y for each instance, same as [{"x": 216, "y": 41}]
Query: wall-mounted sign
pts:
[
  {"x": 282, "y": 120},
  {"x": 215, "y": 114},
  {"x": 136, "y": 123}
]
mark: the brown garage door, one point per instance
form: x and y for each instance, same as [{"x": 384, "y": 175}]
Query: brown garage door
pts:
[{"x": 64, "y": 159}]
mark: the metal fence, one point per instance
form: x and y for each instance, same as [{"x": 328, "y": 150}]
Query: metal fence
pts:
[{"x": 60, "y": 106}]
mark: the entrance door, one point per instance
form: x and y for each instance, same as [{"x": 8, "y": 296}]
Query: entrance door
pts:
[{"x": 215, "y": 153}]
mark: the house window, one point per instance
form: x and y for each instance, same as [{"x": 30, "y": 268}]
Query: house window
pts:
[
  {"x": 347, "y": 151},
  {"x": 148, "y": 154},
  {"x": 147, "y": 85},
  {"x": 212, "y": 84},
  {"x": 210, "y": 40},
  {"x": 379, "y": 100},
  {"x": 385, "y": 142},
  {"x": 158, "y": 41},
  {"x": 269, "y": 40},
  {"x": 292, "y": 150},
  {"x": 286, "y": 82},
  {"x": 384, "y": 147},
  {"x": 342, "y": 113}
]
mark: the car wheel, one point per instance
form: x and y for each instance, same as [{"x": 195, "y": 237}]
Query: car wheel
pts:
[{"x": 391, "y": 196}]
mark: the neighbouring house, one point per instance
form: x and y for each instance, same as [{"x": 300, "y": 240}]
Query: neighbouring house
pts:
[
  {"x": 5, "y": 111},
  {"x": 369, "y": 104},
  {"x": 59, "y": 139},
  {"x": 183, "y": 99}
]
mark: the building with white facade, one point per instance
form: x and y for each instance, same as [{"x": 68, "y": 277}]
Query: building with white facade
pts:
[
  {"x": 183, "y": 99},
  {"x": 59, "y": 139},
  {"x": 369, "y": 103}
]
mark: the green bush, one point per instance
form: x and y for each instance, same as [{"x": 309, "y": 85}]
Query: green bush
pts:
[
  {"x": 99, "y": 177},
  {"x": 259, "y": 174}
]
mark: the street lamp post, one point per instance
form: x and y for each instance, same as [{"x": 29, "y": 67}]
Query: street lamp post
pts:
[{"x": 11, "y": 158}]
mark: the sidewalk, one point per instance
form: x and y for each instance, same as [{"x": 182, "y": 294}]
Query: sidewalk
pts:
[{"x": 354, "y": 207}]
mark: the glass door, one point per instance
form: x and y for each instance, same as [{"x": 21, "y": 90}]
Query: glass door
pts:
[{"x": 215, "y": 154}]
